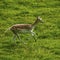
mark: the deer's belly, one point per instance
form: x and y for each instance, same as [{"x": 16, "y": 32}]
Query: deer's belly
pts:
[{"x": 23, "y": 31}]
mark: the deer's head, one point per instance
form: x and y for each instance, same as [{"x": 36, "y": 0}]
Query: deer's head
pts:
[{"x": 40, "y": 19}]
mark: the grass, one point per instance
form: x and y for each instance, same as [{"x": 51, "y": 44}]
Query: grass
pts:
[{"x": 47, "y": 46}]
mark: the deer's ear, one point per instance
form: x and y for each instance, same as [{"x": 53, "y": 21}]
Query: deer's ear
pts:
[{"x": 38, "y": 17}]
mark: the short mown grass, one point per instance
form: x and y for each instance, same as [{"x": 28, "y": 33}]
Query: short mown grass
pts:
[{"x": 47, "y": 45}]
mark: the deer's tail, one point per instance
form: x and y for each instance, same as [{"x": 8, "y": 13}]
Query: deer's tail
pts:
[{"x": 8, "y": 29}]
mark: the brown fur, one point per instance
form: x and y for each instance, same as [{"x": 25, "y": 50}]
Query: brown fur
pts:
[{"x": 21, "y": 26}]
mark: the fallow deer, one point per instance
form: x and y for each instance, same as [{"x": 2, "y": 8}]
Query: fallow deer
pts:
[{"x": 25, "y": 27}]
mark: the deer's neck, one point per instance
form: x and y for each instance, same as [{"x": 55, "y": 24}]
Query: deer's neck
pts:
[{"x": 35, "y": 23}]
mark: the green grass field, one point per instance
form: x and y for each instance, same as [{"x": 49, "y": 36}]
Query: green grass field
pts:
[{"x": 47, "y": 46}]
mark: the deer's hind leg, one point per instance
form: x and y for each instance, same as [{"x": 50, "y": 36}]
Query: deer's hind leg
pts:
[{"x": 15, "y": 34}]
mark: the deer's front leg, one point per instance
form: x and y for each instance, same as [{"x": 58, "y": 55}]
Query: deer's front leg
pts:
[{"x": 33, "y": 35}]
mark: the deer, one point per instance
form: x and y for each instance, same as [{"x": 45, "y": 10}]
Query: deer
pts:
[{"x": 25, "y": 27}]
